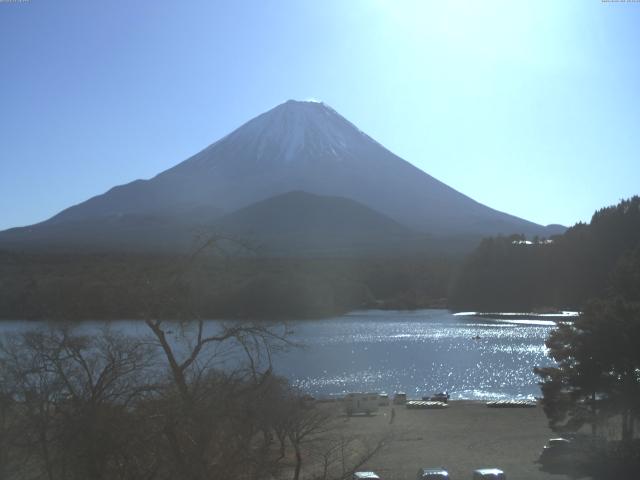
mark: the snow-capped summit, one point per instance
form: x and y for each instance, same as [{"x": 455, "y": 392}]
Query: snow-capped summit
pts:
[
  {"x": 301, "y": 146},
  {"x": 292, "y": 131}
]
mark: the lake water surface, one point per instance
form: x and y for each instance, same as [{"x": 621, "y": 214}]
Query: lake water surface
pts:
[{"x": 418, "y": 352}]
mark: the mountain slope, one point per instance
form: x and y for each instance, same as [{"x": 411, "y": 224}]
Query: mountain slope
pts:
[
  {"x": 297, "y": 146},
  {"x": 137, "y": 232},
  {"x": 299, "y": 222}
]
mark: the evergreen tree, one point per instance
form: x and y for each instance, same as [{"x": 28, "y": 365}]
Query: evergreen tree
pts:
[{"x": 597, "y": 375}]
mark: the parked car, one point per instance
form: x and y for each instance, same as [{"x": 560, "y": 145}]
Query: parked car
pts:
[
  {"x": 432, "y": 474},
  {"x": 437, "y": 397},
  {"x": 440, "y": 397},
  {"x": 366, "y": 476},
  {"x": 489, "y": 474},
  {"x": 555, "y": 449},
  {"x": 400, "y": 398}
]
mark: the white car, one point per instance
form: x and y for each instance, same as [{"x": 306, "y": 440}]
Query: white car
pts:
[
  {"x": 366, "y": 476},
  {"x": 489, "y": 474}
]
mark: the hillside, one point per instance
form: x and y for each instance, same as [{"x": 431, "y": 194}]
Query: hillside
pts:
[
  {"x": 590, "y": 260},
  {"x": 305, "y": 224}
]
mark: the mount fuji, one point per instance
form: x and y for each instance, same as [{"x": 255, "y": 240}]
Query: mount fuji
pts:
[{"x": 302, "y": 147}]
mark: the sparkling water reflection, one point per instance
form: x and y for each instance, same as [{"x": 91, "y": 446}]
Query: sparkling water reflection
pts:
[{"x": 418, "y": 352}]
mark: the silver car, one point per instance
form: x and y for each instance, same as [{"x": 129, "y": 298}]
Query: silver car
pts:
[{"x": 432, "y": 474}]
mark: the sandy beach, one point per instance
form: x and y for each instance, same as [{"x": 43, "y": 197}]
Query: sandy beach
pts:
[{"x": 463, "y": 437}]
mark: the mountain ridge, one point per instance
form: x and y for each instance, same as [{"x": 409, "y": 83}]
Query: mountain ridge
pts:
[{"x": 296, "y": 146}]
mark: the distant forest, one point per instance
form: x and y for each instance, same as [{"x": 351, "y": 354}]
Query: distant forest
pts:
[
  {"x": 119, "y": 286},
  {"x": 588, "y": 261},
  {"x": 501, "y": 274}
]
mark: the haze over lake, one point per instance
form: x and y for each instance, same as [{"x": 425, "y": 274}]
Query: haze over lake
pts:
[{"x": 418, "y": 352}]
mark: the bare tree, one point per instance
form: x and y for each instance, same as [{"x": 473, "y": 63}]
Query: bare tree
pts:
[
  {"x": 73, "y": 394},
  {"x": 340, "y": 455},
  {"x": 218, "y": 373}
]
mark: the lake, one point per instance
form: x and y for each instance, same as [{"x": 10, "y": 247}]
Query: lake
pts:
[{"x": 418, "y": 352}]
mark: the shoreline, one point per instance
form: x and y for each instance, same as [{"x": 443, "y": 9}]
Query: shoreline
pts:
[{"x": 559, "y": 315}]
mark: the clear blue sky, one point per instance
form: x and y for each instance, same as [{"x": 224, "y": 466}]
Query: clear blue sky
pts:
[{"x": 529, "y": 107}]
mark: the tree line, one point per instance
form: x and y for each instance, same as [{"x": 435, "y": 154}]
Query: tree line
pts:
[
  {"x": 115, "y": 286},
  {"x": 507, "y": 273}
]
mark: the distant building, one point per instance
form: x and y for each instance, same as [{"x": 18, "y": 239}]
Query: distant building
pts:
[{"x": 529, "y": 242}]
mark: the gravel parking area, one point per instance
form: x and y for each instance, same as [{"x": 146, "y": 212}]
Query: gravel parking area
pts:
[{"x": 463, "y": 437}]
